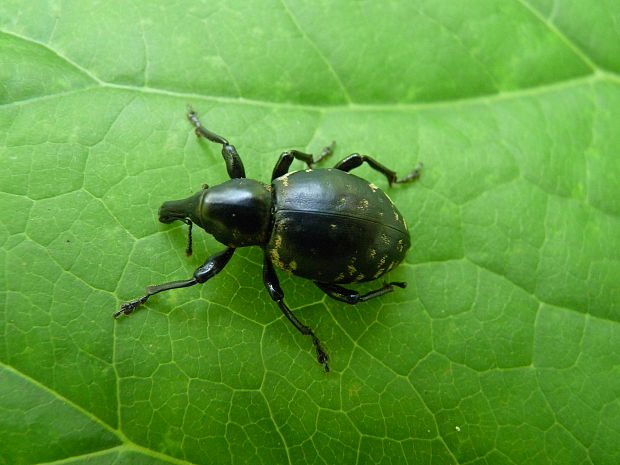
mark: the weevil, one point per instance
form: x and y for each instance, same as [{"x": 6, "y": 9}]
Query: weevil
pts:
[{"x": 325, "y": 225}]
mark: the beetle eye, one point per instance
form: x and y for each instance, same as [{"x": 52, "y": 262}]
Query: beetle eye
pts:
[{"x": 205, "y": 186}]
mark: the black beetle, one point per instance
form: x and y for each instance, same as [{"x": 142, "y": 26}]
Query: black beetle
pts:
[{"x": 326, "y": 225}]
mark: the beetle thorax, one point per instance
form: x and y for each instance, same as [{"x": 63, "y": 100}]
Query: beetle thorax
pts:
[{"x": 237, "y": 212}]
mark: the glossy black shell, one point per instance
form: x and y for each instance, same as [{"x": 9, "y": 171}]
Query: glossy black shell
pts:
[{"x": 334, "y": 227}]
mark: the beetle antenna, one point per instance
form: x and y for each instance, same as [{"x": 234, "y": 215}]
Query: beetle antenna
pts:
[{"x": 188, "y": 250}]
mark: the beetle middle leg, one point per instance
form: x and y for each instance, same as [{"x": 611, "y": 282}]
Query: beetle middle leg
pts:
[
  {"x": 275, "y": 291},
  {"x": 214, "y": 264},
  {"x": 286, "y": 158},
  {"x": 355, "y": 160},
  {"x": 353, "y": 297},
  {"x": 234, "y": 165}
]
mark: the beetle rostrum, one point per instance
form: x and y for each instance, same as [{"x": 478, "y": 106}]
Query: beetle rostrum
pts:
[{"x": 326, "y": 225}]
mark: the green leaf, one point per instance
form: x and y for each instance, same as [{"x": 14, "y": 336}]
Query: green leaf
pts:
[{"x": 502, "y": 350}]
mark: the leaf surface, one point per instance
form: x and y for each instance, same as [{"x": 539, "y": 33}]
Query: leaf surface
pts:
[{"x": 502, "y": 349}]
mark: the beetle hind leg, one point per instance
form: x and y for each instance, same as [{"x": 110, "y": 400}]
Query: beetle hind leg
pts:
[
  {"x": 353, "y": 297},
  {"x": 355, "y": 160},
  {"x": 275, "y": 291}
]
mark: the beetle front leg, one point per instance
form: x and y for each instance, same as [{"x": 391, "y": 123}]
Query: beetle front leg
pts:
[
  {"x": 275, "y": 291},
  {"x": 214, "y": 264},
  {"x": 286, "y": 158},
  {"x": 353, "y": 297},
  {"x": 355, "y": 160},
  {"x": 234, "y": 165}
]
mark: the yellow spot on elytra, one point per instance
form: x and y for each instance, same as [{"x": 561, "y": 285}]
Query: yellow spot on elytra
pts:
[
  {"x": 373, "y": 187},
  {"x": 373, "y": 252},
  {"x": 275, "y": 255},
  {"x": 284, "y": 178},
  {"x": 275, "y": 258},
  {"x": 363, "y": 205},
  {"x": 293, "y": 265},
  {"x": 378, "y": 273}
]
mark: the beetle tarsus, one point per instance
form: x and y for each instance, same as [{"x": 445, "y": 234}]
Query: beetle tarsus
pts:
[
  {"x": 326, "y": 152},
  {"x": 321, "y": 355},
  {"x": 192, "y": 116},
  {"x": 128, "y": 307},
  {"x": 415, "y": 174}
]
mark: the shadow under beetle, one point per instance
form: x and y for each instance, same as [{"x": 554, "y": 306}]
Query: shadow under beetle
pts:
[{"x": 326, "y": 225}]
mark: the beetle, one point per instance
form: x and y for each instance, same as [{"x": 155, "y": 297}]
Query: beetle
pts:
[{"x": 326, "y": 225}]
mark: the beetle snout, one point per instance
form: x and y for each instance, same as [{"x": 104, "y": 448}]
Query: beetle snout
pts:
[
  {"x": 180, "y": 209},
  {"x": 167, "y": 219},
  {"x": 165, "y": 215},
  {"x": 173, "y": 210}
]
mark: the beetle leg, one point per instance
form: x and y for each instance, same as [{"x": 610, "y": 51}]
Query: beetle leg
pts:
[
  {"x": 214, "y": 264},
  {"x": 286, "y": 158},
  {"x": 234, "y": 165},
  {"x": 352, "y": 297},
  {"x": 355, "y": 160},
  {"x": 275, "y": 291}
]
